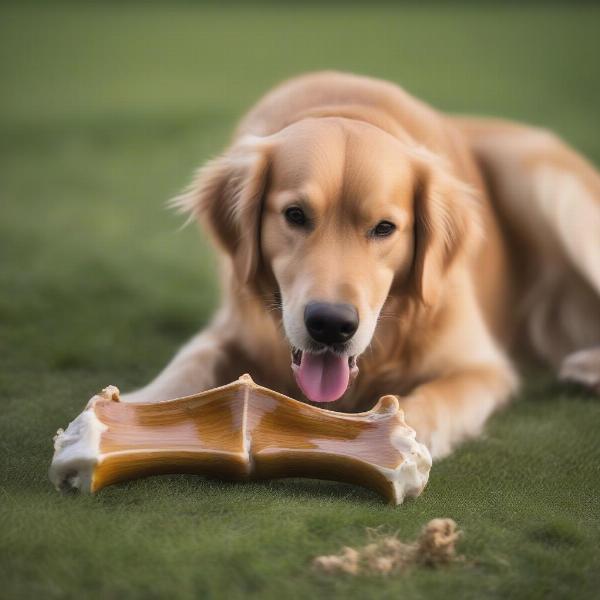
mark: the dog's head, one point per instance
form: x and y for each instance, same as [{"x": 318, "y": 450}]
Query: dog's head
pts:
[{"x": 333, "y": 216}]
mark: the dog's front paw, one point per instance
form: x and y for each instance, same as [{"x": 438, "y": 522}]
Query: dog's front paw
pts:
[{"x": 582, "y": 367}]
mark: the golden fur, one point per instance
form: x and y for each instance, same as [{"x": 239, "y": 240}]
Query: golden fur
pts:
[{"x": 497, "y": 249}]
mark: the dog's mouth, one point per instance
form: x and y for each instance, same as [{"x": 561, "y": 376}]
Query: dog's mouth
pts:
[{"x": 323, "y": 376}]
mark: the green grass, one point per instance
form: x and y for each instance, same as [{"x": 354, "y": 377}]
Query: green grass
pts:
[{"x": 105, "y": 110}]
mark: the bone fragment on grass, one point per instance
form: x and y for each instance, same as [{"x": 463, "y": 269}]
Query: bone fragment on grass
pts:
[{"x": 386, "y": 554}]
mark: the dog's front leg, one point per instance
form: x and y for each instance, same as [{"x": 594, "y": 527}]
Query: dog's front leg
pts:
[
  {"x": 193, "y": 369},
  {"x": 446, "y": 410}
]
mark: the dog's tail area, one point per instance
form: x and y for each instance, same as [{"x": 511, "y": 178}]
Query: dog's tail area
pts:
[{"x": 548, "y": 197}]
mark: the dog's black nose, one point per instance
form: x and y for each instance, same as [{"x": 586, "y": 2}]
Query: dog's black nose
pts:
[{"x": 330, "y": 323}]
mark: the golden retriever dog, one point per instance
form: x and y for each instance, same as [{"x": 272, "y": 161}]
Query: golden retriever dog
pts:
[{"x": 372, "y": 245}]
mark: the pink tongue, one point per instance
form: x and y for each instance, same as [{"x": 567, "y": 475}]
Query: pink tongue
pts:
[{"x": 323, "y": 377}]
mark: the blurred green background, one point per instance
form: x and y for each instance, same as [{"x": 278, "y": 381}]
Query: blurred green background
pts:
[{"x": 105, "y": 110}]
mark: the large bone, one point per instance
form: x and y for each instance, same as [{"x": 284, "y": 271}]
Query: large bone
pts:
[{"x": 239, "y": 431}]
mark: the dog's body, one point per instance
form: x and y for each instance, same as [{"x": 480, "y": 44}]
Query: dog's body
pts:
[{"x": 489, "y": 243}]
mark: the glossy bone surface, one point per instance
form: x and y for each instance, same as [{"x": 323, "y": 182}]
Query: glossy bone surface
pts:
[{"x": 239, "y": 431}]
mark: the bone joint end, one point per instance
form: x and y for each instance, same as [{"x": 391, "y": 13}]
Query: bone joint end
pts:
[{"x": 77, "y": 449}]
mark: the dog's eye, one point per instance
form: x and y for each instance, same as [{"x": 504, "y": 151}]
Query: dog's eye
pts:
[
  {"x": 294, "y": 215},
  {"x": 382, "y": 229}
]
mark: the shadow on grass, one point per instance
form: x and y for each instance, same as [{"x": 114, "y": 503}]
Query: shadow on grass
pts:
[{"x": 293, "y": 488}]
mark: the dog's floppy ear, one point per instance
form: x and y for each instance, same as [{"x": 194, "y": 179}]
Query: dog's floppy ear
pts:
[
  {"x": 447, "y": 226},
  {"x": 227, "y": 196}
]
